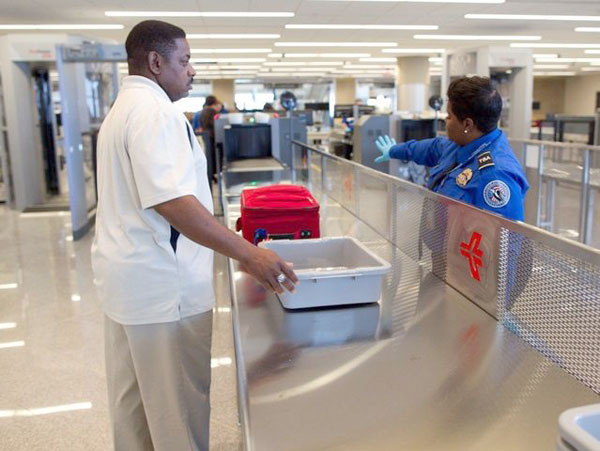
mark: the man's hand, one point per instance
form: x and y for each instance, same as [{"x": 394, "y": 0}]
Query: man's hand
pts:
[{"x": 266, "y": 266}]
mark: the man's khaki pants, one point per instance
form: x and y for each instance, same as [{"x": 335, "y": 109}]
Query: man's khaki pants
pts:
[{"x": 158, "y": 378}]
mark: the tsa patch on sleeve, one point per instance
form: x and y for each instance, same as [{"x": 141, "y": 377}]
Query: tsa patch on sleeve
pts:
[{"x": 496, "y": 194}]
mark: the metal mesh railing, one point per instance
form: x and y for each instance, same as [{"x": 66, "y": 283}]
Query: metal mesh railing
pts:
[{"x": 552, "y": 301}]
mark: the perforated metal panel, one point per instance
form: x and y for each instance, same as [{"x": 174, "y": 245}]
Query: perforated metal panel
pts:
[
  {"x": 541, "y": 287},
  {"x": 552, "y": 301}
]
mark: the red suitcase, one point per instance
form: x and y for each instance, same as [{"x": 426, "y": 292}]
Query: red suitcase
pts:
[{"x": 278, "y": 212}]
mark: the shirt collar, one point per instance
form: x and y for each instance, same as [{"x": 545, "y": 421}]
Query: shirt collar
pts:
[
  {"x": 479, "y": 145},
  {"x": 137, "y": 81}
]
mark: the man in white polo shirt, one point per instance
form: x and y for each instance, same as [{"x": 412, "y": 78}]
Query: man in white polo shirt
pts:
[{"x": 153, "y": 252}]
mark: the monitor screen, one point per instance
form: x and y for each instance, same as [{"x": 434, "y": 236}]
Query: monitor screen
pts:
[
  {"x": 247, "y": 141},
  {"x": 319, "y": 106},
  {"x": 416, "y": 129}
]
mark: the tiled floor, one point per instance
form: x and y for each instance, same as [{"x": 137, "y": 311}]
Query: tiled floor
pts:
[{"x": 52, "y": 383}]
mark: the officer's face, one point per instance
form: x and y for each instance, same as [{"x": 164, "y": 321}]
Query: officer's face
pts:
[
  {"x": 455, "y": 128},
  {"x": 177, "y": 73}
]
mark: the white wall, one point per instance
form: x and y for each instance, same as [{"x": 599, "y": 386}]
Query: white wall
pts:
[{"x": 580, "y": 94}]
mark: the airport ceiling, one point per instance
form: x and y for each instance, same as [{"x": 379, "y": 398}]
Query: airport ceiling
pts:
[{"x": 444, "y": 19}]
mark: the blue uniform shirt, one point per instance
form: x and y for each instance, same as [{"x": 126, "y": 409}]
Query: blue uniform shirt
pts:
[{"x": 484, "y": 173}]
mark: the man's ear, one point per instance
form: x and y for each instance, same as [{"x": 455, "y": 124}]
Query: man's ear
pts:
[{"x": 155, "y": 62}]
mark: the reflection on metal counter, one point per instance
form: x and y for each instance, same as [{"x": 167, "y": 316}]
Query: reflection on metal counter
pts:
[{"x": 325, "y": 327}]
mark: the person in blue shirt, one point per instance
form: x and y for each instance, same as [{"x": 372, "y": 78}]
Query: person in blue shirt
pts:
[{"x": 475, "y": 163}]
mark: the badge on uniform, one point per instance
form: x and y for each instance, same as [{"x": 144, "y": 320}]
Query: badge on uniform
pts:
[
  {"x": 496, "y": 194},
  {"x": 464, "y": 177},
  {"x": 485, "y": 160}
]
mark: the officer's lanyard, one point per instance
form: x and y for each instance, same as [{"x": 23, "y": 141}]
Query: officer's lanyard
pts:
[{"x": 490, "y": 137}]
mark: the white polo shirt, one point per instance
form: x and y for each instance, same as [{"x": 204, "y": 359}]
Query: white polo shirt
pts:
[{"x": 145, "y": 158}]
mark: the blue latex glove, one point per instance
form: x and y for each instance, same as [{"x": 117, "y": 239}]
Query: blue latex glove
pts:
[{"x": 384, "y": 144}]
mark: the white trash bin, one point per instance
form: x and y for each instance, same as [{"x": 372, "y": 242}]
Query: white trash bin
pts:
[{"x": 332, "y": 271}]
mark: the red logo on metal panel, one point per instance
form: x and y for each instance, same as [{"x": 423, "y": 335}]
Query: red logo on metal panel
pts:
[{"x": 473, "y": 254}]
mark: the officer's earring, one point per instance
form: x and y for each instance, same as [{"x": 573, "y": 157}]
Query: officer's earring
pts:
[{"x": 466, "y": 131}]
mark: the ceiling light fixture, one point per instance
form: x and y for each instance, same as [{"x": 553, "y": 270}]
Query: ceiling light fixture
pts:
[
  {"x": 8, "y": 286},
  {"x": 336, "y": 44},
  {"x": 567, "y": 60},
  {"x": 378, "y": 60},
  {"x": 532, "y": 17},
  {"x": 554, "y": 74},
  {"x": 212, "y": 51},
  {"x": 283, "y": 75},
  {"x": 590, "y": 69},
  {"x": 227, "y": 60},
  {"x": 359, "y": 27},
  {"x": 587, "y": 29},
  {"x": 63, "y": 27},
  {"x": 304, "y": 63},
  {"x": 245, "y": 14},
  {"x": 554, "y": 45},
  {"x": 551, "y": 66},
  {"x": 327, "y": 55},
  {"x": 369, "y": 66},
  {"x": 592, "y": 52},
  {"x": 303, "y": 69},
  {"x": 232, "y": 36},
  {"x": 472, "y": 37},
  {"x": 226, "y": 67},
  {"x": 413, "y": 51},
  {"x": 545, "y": 55},
  {"x": 12, "y": 344}
]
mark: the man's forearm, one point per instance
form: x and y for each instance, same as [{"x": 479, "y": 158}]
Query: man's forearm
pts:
[{"x": 194, "y": 221}]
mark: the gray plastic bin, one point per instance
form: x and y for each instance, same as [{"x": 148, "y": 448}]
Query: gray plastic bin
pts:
[
  {"x": 579, "y": 429},
  {"x": 332, "y": 271}
]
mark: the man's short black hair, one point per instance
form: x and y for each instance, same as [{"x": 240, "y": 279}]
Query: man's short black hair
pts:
[
  {"x": 478, "y": 99},
  {"x": 210, "y": 101},
  {"x": 151, "y": 35}
]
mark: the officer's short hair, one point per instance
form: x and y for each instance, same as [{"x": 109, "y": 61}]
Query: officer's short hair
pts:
[
  {"x": 478, "y": 99},
  {"x": 151, "y": 35}
]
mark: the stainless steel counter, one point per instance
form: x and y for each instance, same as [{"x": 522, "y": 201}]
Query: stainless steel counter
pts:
[
  {"x": 424, "y": 368},
  {"x": 255, "y": 164}
]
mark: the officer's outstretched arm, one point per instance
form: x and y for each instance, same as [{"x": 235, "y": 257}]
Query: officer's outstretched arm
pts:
[{"x": 499, "y": 193}]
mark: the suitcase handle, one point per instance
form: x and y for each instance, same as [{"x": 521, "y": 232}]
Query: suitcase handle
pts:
[
  {"x": 238, "y": 224},
  {"x": 259, "y": 235}
]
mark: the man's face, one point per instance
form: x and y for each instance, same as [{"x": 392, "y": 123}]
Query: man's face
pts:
[{"x": 178, "y": 74}]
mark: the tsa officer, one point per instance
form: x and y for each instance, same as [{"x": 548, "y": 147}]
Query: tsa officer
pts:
[{"x": 475, "y": 163}]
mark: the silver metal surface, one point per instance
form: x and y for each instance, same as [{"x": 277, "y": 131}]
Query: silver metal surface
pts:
[
  {"x": 433, "y": 371},
  {"x": 423, "y": 369},
  {"x": 584, "y": 233},
  {"x": 254, "y": 164}
]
